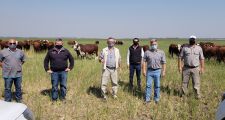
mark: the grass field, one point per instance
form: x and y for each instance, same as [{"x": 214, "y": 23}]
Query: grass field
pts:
[{"x": 83, "y": 96}]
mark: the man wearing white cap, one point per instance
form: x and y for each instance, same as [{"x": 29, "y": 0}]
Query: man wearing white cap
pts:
[
  {"x": 191, "y": 64},
  {"x": 135, "y": 56}
]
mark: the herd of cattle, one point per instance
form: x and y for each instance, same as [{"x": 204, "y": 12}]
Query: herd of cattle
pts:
[{"x": 210, "y": 50}]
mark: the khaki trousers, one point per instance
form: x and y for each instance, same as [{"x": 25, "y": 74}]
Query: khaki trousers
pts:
[
  {"x": 194, "y": 74},
  {"x": 106, "y": 75}
]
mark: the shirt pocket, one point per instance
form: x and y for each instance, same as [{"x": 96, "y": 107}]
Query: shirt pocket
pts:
[
  {"x": 196, "y": 54},
  {"x": 187, "y": 53}
]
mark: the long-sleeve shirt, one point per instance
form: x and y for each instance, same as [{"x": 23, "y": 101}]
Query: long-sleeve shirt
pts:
[{"x": 58, "y": 60}]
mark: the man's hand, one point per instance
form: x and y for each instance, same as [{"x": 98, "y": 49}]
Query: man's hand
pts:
[
  {"x": 202, "y": 70},
  {"x": 67, "y": 70},
  {"x": 180, "y": 69},
  {"x": 163, "y": 74},
  {"x": 49, "y": 71},
  {"x": 144, "y": 73}
]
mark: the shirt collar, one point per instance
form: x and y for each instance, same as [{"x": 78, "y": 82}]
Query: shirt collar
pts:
[{"x": 11, "y": 50}]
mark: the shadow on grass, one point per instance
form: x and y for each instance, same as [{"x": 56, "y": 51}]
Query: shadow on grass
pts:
[
  {"x": 171, "y": 91},
  {"x": 95, "y": 91},
  {"x": 135, "y": 91},
  {"x": 46, "y": 92}
]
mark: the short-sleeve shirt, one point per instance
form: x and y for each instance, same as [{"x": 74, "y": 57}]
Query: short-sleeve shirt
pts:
[
  {"x": 111, "y": 59},
  {"x": 154, "y": 58},
  {"x": 12, "y": 62},
  {"x": 191, "y": 55}
]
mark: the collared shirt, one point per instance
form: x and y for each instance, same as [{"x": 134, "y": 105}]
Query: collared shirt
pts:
[
  {"x": 111, "y": 58},
  {"x": 104, "y": 56},
  {"x": 191, "y": 55},
  {"x": 154, "y": 58},
  {"x": 12, "y": 62}
]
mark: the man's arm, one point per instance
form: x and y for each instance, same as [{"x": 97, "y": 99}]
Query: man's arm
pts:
[
  {"x": 119, "y": 59},
  {"x": 71, "y": 60},
  {"x": 46, "y": 62},
  {"x": 180, "y": 66},
  {"x": 202, "y": 66},
  {"x": 163, "y": 70},
  {"x": 144, "y": 65},
  {"x": 128, "y": 58}
]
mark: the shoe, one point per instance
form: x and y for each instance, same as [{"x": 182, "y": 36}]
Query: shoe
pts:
[
  {"x": 198, "y": 97},
  {"x": 19, "y": 101},
  {"x": 63, "y": 101},
  {"x": 104, "y": 98},
  {"x": 115, "y": 97},
  {"x": 147, "y": 102}
]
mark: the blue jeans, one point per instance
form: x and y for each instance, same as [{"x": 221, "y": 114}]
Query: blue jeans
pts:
[
  {"x": 136, "y": 67},
  {"x": 56, "y": 79},
  {"x": 8, "y": 85},
  {"x": 155, "y": 76}
]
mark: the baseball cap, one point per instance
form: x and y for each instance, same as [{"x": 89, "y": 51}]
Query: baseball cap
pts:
[
  {"x": 136, "y": 40},
  {"x": 192, "y": 37}
]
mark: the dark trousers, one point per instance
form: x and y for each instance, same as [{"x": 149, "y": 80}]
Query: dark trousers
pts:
[
  {"x": 56, "y": 79},
  {"x": 137, "y": 68},
  {"x": 8, "y": 85}
]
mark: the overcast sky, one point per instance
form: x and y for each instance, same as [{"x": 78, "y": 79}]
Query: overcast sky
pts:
[{"x": 116, "y": 18}]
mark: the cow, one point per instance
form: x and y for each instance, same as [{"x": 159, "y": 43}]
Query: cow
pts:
[
  {"x": 174, "y": 49},
  {"x": 27, "y": 44},
  {"x": 4, "y": 44},
  {"x": 84, "y": 50},
  {"x": 97, "y": 42},
  {"x": 118, "y": 42},
  {"x": 71, "y": 42},
  {"x": 221, "y": 54},
  {"x": 20, "y": 44},
  {"x": 37, "y": 46},
  {"x": 50, "y": 45}
]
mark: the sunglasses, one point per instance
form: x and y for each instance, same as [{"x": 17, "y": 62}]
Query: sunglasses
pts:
[{"x": 12, "y": 43}]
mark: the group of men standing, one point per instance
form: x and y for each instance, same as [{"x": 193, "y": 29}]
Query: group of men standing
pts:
[{"x": 152, "y": 63}]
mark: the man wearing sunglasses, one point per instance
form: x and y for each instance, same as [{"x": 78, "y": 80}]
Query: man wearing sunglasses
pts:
[{"x": 11, "y": 60}]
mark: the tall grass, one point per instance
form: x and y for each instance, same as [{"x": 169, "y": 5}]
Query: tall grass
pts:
[{"x": 83, "y": 96}]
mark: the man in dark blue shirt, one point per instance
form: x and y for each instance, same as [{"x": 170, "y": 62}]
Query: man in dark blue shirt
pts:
[{"x": 58, "y": 57}]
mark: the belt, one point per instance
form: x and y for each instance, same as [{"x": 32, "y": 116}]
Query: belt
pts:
[
  {"x": 187, "y": 66},
  {"x": 112, "y": 68},
  {"x": 154, "y": 69}
]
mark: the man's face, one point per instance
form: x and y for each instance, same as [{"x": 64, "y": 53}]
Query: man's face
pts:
[
  {"x": 111, "y": 42},
  {"x": 58, "y": 43}
]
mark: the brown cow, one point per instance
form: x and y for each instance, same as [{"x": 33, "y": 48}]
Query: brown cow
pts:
[
  {"x": 19, "y": 45},
  {"x": 37, "y": 46},
  {"x": 174, "y": 49},
  {"x": 4, "y": 44},
  {"x": 27, "y": 44},
  {"x": 71, "y": 42},
  {"x": 221, "y": 54},
  {"x": 118, "y": 42},
  {"x": 87, "y": 49},
  {"x": 50, "y": 45}
]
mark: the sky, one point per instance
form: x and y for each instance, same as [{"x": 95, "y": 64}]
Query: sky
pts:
[{"x": 112, "y": 18}]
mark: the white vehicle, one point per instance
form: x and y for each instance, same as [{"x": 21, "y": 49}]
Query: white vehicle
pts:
[{"x": 14, "y": 111}]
